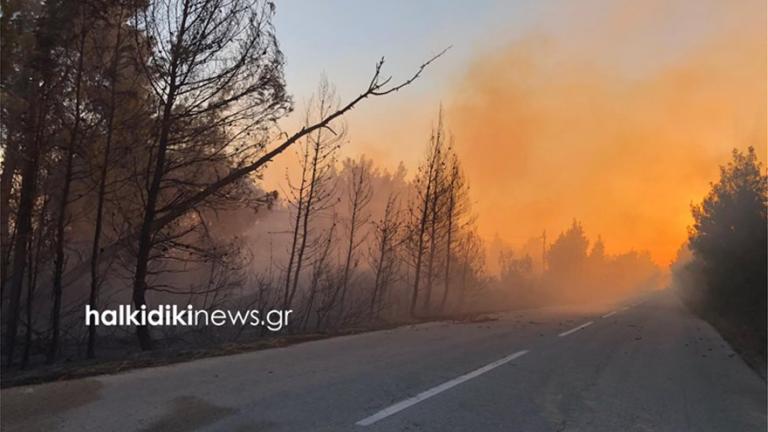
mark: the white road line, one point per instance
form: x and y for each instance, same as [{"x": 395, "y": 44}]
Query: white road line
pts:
[
  {"x": 609, "y": 314},
  {"x": 394, "y": 409},
  {"x": 575, "y": 329}
]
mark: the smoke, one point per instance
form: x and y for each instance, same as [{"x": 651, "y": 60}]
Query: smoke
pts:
[{"x": 618, "y": 117}]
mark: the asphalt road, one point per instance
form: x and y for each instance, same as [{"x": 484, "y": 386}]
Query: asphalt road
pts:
[{"x": 643, "y": 365}]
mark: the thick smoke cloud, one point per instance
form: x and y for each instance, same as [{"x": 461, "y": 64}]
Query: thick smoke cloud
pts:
[{"x": 619, "y": 117}]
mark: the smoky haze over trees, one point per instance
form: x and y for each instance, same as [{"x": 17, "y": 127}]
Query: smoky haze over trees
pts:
[
  {"x": 574, "y": 269},
  {"x": 134, "y": 136},
  {"x": 722, "y": 271}
]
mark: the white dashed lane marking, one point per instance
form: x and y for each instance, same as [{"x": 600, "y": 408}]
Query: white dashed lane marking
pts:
[
  {"x": 407, "y": 403},
  {"x": 394, "y": 409},
  {"x": 575, "y": 329}
]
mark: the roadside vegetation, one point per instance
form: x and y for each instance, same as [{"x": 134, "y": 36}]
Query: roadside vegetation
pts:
[{"x": 722, "y": 273}]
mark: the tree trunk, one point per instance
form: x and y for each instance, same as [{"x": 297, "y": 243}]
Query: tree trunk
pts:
[
  {"x": 423, "y": 220},
  {"x": 6, "y": 182},
  {"x": 348, "y": 261},
  {"x": 32, "y": 281},
  {"x": 62, "y": 215},
  {"x": 20, "y": 252},
  {"x": 295, "y": 239},
  {"x": 420, "y": 250},
  {"x": 149, "y": 225},
  {"x": 305, "y": 223},
  {"x": 433, "y": 231},
  {"x": 146, "y": 233},
  {"x": 377, "y": 282},
  {"x": 451, "y": 205},
  {"x": 319, "y": 265},
  {"x": 93, "y": 298}
]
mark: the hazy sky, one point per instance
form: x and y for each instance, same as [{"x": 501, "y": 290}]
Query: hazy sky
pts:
[{"x": 613, "y": 113}]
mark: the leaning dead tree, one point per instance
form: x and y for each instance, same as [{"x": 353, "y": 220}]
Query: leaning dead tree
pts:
[
  {"x": 216, "y": 65},
  {"x": 379, "y": 85},
  {"x": 127, "y": 126},
  {"x": 215, "y": 73}
]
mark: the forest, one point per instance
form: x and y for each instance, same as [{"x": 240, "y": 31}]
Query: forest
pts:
[{"x": 134, "y": 138}]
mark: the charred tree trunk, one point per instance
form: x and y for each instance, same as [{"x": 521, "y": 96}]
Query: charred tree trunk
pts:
[
  {"x": 317, "y": 274},
  {"x": 432, "y": 250},
  {"x": 347, "y": 262},
  {"x": 93, "y": 297},
  {"x": 449, "y": 235},
  {"x": 10, "y": 158},
  {"x": 421, "y": 229},
  {"x": 434, "y": 201},
  {"x": 296, "y": 229},
  {"x": 21, "y": 247},
  {"x": 360, "y": 196},
  {"x": 148, "y": 225},
  {"x": 34, "y": 254},
  {"x": 32, "y": 282},
  {"x": 425, "y": 204},
  {"x": 305, "y": 223},
  {"x": 377, "y": 281},
  {"x": 386, "y": 233},
  {"x": 146, "y": 233},
  {"x": 58, "y": 270}
]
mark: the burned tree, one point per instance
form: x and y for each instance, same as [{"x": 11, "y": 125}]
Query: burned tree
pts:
[
  {"x": 314, "y": 193},
  {"x": 64, "y": 197},
  {"x": 423, "y": 211},
  {"x": 34, "y": 73},
  {"x": 471, "y": 261},
  {"x": 456, "y": 212},
  {"x": 171, "y": 116},
  {"x": 359, "y": 194},
  {"x": 383, "y": 255},
  {"x": 215, "y": 66},
  {"x": 118, "y": 101},
  {"x": 321, "y": 272}
]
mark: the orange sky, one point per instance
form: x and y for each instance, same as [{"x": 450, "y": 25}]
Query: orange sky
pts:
[{"x": 605, "y": 117}]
